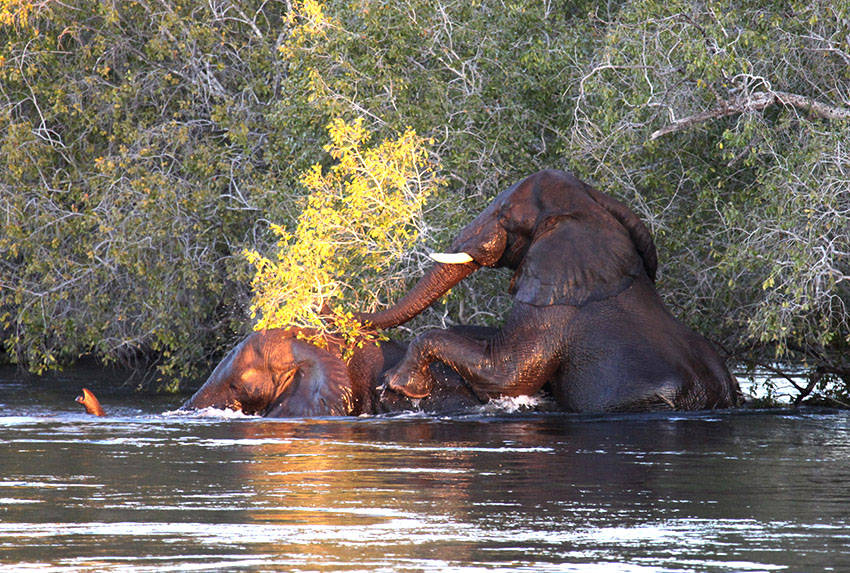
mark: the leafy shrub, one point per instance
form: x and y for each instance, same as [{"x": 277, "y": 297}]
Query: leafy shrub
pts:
[
  {"x": 362, "y": 217},
  {"x": 145, "y": 146}
]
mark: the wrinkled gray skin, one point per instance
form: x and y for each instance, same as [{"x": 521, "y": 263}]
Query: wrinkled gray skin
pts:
[
  {"x": 586, "y": 317},
  {"x": 273, "y": 373}
]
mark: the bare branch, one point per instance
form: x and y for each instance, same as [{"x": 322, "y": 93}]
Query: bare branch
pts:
[{"x": 756, "y": 102}]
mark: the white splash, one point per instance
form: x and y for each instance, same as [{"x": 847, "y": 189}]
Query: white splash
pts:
[
  {"x": 512, "y": 405},
  {"x": 209, "y": 413}
]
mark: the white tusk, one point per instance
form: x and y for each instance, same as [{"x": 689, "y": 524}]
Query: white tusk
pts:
[{"x": 452, "y": 258}]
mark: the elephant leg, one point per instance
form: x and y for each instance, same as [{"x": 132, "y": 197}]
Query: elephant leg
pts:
[{"x": 518, "y": 360}]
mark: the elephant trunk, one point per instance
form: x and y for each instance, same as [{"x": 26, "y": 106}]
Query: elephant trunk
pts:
[
  {"x": 436, "y": 282},
  {"x": 216, "y": 391},
  {"x": 205, "y": 397},
  {"x": 480, "y": 243}
]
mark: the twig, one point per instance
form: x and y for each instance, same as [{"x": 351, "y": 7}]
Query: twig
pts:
[{"x": 814, "y": 378}]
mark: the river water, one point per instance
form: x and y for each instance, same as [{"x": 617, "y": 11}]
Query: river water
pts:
[{"x": 148, "y": 489}]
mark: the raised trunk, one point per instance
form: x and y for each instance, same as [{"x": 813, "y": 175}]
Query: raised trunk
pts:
[{"x": 436, "y": 282}]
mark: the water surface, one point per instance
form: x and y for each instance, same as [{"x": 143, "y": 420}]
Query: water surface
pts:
[{"x": 146, "y": 489}]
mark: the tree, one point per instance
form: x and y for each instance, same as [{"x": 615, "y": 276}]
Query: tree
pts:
[
  {"x": 489, "y": 82},
  {"x": 146, "y": 145},
  {"x": 726, "y": 124},
  {"x": 722, "y": 124},
  {"x": 354, "y": 238},
  {"x": 137, "y": 158}
]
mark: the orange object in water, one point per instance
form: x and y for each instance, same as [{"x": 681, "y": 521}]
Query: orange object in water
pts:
[{"x": 90, "y": 402}]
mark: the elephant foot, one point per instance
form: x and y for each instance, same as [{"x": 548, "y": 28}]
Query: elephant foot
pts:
[{"x": 417, "y": 385}]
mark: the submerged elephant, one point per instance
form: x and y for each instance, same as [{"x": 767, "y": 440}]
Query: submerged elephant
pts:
[
  {"x": 277, "y": 373},
  {"x": 586, "y": 316}
]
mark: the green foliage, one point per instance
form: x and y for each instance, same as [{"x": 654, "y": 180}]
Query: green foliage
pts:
[
  {"x": 132, "y": 173},
  {"x": 751, "y": 205},
  {"x": 490, "y": 83},
  {"x": 491, "y": 76},
  {"x": 146, "y": 145}
]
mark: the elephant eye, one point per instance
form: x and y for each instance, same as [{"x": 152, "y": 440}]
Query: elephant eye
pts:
[
  {"x": 507, "y": 222},
  {"x": 515, "y": 219},
  {"x": 505, "y": 212}
]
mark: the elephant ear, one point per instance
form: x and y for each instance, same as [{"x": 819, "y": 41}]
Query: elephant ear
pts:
[
  {"x": 313, "y": 382},
  {"x": 575, "y": 259},
  {"x": 638, "y": 232},
  {"x": 585, "y": 254}
]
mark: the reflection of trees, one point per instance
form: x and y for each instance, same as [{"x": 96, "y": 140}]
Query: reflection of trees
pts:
[
  {"x": 397, "y": 493},
  {"x": 363, "y": 487},
  {"x": 345, "y": 464},
  {"x": 459, "y": 466}
]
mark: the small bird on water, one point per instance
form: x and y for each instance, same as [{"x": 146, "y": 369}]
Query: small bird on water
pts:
[{"x": 89, "y": 401}]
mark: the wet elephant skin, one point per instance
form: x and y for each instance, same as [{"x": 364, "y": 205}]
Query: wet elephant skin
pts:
[
  {"x": 279, "y": 373},
  {"x": 586, "y": 316}
]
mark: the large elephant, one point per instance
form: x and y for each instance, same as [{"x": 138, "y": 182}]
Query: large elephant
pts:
[
  {"x": 586, "y": 317},
  {"x": 280, "y": 373}
]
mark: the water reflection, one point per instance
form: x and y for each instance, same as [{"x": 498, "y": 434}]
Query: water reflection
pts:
[
  {"x": 550, "y": 489},
  {"x": 143, "y": 491}
]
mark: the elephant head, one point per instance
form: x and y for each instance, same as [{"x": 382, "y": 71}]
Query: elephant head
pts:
[
  {"x": 567, "y": 243},
  {"x": 275, "y": 373}
]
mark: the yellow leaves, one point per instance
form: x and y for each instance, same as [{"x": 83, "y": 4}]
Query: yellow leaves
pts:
[
  {"x": 105, "y": 166},
  {"x": 310, "y": 15},
  {"x": 768, "y": 283},
  {"x": 361, "y": 216},
  {"x": 308, "y": 21},
  {"x": 316, "y": 85},
  {"x": 311, "y": 178},
  {"x": 15, "y": 12},
  {"x": 346, "y": 139}
]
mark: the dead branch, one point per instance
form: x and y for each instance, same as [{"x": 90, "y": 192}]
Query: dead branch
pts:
[{"x": 756, "y": 102}]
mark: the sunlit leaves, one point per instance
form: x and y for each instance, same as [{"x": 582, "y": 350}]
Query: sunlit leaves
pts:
[
  {"x": 308, "y": 22},
  {"x": 15, "y": 12},
  {"x": 361, "y": 217}
]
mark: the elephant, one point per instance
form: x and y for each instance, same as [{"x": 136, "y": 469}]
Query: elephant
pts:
[
  {"x": 586, "y": 318},
  {"x": 282, "y": 373}
]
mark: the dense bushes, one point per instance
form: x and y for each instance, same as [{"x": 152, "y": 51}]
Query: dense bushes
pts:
[
  {"x": 137, "y": 160},
  {"x": 727, "y": 123},
  {"x": 145, "y": 145}
]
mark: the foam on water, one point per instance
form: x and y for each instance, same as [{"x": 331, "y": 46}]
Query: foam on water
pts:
[
  {"x": 209, "y": 413},
  {"x": 512, "y": 405}
]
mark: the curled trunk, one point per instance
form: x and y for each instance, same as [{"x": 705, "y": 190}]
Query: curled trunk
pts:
[{"x": 436, "y": 282}]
